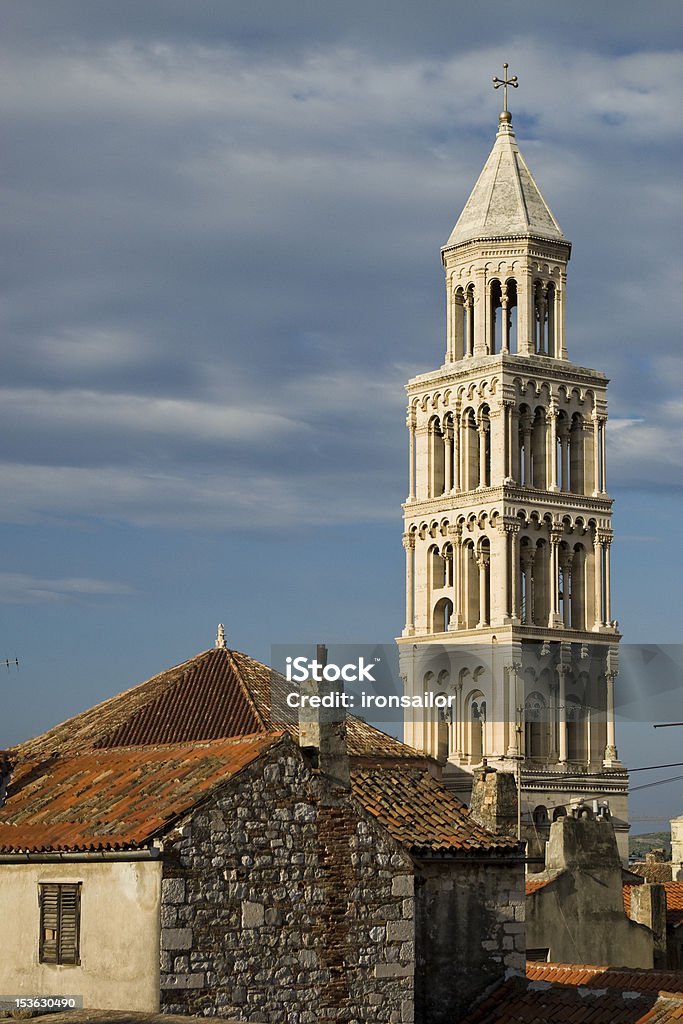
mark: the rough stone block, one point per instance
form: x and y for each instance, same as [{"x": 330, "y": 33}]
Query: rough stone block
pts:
[
  {"x": 400, "y": 931},
  {"x": 173, "y": 890},
  {"x": 183, "y": 981},
  {"x": 253, "y": 914},
  {"x": 394, "y": 970},
  {"x": 176, "y": 938}
]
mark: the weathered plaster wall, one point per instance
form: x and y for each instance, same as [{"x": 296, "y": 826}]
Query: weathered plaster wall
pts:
[
  {"x": 469, "y": 933},
  {"x": 576, "y": 919},
  {"x": 277, "y": 907},
  {"x": 119, "y": 940}
]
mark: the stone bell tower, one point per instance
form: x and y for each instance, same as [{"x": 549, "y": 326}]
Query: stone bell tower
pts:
[{"x": 508, "y": 523}]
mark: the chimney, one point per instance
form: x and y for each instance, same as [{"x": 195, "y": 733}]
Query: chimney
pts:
[
  {"x": 322, "y": 724},
  {"x": 494, "y": 800},
  {"x": 648, "y": 907},
  {"x": 584, "y": 842}
]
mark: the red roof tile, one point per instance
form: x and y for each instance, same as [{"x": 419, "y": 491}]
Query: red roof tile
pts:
[
  {"x": 114, "y": 775},
  {"x": 653, "y": 870},
  {"x": 115, "y": 798},
  {"x": 627, "y": 978},
  {"x": 417, "y": 811},
  {"x": 217, "y": 694},
  {"x": 580, "y": 994}
]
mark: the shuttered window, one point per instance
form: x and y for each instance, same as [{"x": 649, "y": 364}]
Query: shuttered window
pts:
[{"x": 60, "y": 919}]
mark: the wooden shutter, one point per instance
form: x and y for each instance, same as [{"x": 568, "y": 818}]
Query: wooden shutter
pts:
[{"x": 60, "y": 914}]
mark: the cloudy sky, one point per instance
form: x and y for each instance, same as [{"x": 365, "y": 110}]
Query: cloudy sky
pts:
[{"x": 220, "y": 228}]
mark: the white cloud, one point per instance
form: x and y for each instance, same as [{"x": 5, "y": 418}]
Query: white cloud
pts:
[{"x": 23, "y": 588}]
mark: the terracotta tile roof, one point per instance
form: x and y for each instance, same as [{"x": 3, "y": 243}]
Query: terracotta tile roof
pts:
[
  {"x": 627, "y": 979},
  {"x": 583, "y": 995},
  {"x": 674, "y": 902},
  {"x": 115, "y": 798},
  {"x": 653, "y": 870},
  {"x": 417, "y": 811},
  {"x": 217, "y": 694}
]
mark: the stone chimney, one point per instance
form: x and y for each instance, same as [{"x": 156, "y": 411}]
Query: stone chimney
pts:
[
  {"x": 322, "y": 725},
  {"x": 677, "y": 849},
  {"x": 648, "y": 907},
  {"x": 584, "y": 842},
  {"x": 494, "y": 800}
]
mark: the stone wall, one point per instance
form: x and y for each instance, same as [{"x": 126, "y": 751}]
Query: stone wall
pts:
[
  {"x": 469, "y": 924},
  {"x": 277, "y": 907}
]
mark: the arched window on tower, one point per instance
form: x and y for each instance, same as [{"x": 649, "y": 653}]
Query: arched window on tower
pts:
[
  {"x": 443, "y": 610},
  {"x": 576, "y": 454},
  {"x": 436, "y": 458},
  {"x": 577, "y": 749},
  {"x": 538, "y": 449},
  {"x": 476, "y": 723},
  {"x": 562, "y": 453},
  {"x": 470, "y": 451},
  {"x": 484, "y": 442},
  {"x": 494, "y": 340},
  {"x": 510, "y": 287},
  {"x": 459, "y": 324},
  {"x": 469, "y": 321},
  {"x": 551, "y": 315},
  {"x": 525, "y": 446},
  {"x": 578, "y": 613},
  {"x": 536, "y": 726}
]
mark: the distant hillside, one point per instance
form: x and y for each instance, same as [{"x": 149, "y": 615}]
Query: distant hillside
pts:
[{"x": 638, "y": 846}]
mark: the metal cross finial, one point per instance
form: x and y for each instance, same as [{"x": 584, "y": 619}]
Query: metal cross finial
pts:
[{"x": 505, "y": 81}]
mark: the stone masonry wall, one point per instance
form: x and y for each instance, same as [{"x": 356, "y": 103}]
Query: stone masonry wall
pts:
[
  {"x": 469, "y": 925},
  {"x": 279, "y": 908}
]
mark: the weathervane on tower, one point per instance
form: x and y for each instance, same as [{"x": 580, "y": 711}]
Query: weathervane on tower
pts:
[{"x": 505, "y": 81}]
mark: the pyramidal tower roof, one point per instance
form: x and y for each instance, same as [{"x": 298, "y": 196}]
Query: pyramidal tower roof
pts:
[{"x": 505, "y": 200}]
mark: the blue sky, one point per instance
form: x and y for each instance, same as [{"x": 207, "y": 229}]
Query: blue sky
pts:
[{"x": 221, "y": 228}]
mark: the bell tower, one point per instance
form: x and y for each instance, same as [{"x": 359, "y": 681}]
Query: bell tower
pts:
[{"x": 508, "y": 523}]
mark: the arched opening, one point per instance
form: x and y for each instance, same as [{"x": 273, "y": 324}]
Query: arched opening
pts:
[
  {"x": 495, "y": 339},
  {"x": 484, "y": 439},
  {"x": 576, "y": 454},
  {"x": 541, "y": 570},
  {"x": 484, "y": 569},
  {"x": 540, "y": 816},
  {"x": 541, "y": 318},
  {"x": 471, "y": 586},
  {"x": 565, "y": 584},
  {"x": 436, "y": 458},
  {"x": 443, "y": 723},
  {"x": 526, "y": 570},
  {"x": 443, "y": 610},
  {"x": 525, "y": 446},
  {"x": 447, "y": 559},
  {"x": 448, "y": 429},
  {"x": 536, "y": 726},
  {"x": 578, "y": 597},
  {"x": 458, "y": 324},
  {"x": 551, "y": 308},
  {"x": 468, "y": 321},
  {"x": 562, "y": 453},
  {"x": 511, "y": 288},
  {"x": 538, "y": 449},
  {"x": 470, "y": 451},
  {"x": 576, "y": 729},
  {"x": 475, "y": 724}
]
